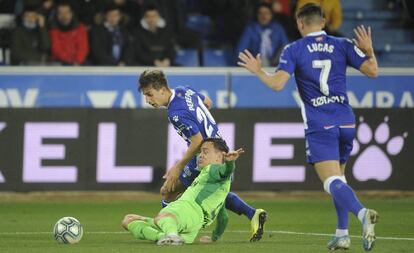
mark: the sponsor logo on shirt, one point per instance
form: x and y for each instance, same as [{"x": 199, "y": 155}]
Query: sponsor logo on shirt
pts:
[{"x": 324, "y": 100}]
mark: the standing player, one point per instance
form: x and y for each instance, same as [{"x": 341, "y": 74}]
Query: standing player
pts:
[
  {"x": 201, "y": 203},
  {"x": 188, "y": 113},
  {"x": 319, "y": 63}
]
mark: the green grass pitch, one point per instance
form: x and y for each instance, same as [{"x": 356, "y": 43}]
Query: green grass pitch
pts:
[{"x": 294, "y": 225}]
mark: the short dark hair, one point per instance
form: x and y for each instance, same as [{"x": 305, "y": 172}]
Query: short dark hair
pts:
[
  {"x": 152, "y": 78},
  {"x": 218, "y": 144},
  {"x": 310, "y": 13},
  {"x": 65, "y": 4},
  {"x": 111, "y": 7},
  {"x": 151, "y": 7},
  {"x": 264, "y": 5},
  {"x": 30, "y": 8}
]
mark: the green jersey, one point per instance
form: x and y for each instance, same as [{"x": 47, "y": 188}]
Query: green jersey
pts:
[{"x": 209, "y": 190}]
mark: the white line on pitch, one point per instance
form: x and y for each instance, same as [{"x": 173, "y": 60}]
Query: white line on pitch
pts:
[{"x": 230, "y": 231}]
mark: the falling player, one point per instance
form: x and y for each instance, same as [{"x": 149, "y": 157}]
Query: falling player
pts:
[
  {"x": 319, "y": 62},
  {"x": 188, "y": 113},
  {"x": 201, "y": 203}
]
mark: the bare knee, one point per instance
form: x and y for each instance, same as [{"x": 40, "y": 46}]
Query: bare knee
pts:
[
  {"x": 130, "y": 218},
  {"x": 126, "y": 221}
]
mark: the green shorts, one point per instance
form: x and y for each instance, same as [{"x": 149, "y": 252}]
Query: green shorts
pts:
[{"x": 189, "y": 216}]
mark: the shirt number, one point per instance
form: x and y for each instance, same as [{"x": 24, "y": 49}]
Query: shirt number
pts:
[
  {"x": 204, "y": 115},
  {"x": 325, "y": 66}
]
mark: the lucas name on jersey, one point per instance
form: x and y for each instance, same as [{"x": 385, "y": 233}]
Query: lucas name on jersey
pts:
[{"x": 320, "y": 47}]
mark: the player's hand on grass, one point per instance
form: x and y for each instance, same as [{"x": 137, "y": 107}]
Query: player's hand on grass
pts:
[
  {"x": 233, "y": 155},
  {"x": 248, "y": 61},
  {"x": 363, "y": 39},
  {"x": 206, "y": 239}
]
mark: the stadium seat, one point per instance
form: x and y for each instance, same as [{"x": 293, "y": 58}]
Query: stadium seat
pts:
[
  {"x": 217, "y": 57},
  {"x": 187, "y": 58},
  {"x": 199, "y": 23}
]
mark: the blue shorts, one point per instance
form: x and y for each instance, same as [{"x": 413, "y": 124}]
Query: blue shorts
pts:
[
  {"x": 189, "y": 173},
  {"x": 330, "y": 144}
]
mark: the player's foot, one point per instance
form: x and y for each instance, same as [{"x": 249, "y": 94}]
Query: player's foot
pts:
[
  {"x": 171, "y": 240},
  {"x": 368, "y": 233},
  {"x": 257, "y": 223},
  {"x": 339, "y": 242}
]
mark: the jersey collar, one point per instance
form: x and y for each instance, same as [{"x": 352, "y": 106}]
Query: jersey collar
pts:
[
  {"x": 171, "y": 98},
  {"x": 316, "y": 33}
]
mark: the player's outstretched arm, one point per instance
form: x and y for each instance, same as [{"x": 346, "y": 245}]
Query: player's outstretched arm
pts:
[
  {"x": 233, "y": 155},
  {"x": 222, "y": 221},
  {"x": 221, "y": 225},
  {"x": 228, "y": 167},
  {"x": 253, "y": 64},
  {"x": 364, "y": 42}
]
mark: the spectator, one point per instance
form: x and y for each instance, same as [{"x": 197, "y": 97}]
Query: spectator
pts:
[
  {"x": 110, "y": 43},
  {"x": 174, "y": 12},
  {"x": 131, "y": 12},
  {"x": 281, "y": 14},
  {"x": 30, "y": 41},
  {"x": 68, "y": 37},
  {"x": 43, "y": 7},
  {"x": 332, "y": 12},
  {"x": 263, "y": 36},
  {"x": 154, "y": 43},
  {"x": 230, "y": 17}
]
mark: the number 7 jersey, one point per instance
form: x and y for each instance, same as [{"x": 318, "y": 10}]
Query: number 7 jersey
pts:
[
  {"x": 319, "y": 63},
  {"x": 189, "y": 116}
]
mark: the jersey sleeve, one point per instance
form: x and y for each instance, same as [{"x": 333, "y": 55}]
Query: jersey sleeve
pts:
[
  {"x": 287, "y": 60},
  {"x": 222, "y": 221},
  {"x": 354, "y": 56},
  {"x": 185, "y": 123},
  {"x": 222, "y": 171}
]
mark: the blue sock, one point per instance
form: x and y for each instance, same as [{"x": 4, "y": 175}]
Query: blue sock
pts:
[
  {"x": 164, "y": 203},
  {"x": 342, "y": 216},
  {"x": 237, "y": 205},
  {"x": 345, "y": 196}
]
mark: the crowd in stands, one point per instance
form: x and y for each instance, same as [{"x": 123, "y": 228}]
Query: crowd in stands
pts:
[{"x": 148, "y": 32}]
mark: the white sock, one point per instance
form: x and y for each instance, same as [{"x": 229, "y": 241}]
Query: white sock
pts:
[
  {"x": 341, "y": 232},
  {"x": 361, "y": 214}
]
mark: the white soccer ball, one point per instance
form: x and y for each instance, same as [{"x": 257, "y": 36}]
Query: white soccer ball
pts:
[{"x": 68, "y": 230}]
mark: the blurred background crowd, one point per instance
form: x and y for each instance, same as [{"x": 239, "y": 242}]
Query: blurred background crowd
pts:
[{"x": 185, "y": 32}]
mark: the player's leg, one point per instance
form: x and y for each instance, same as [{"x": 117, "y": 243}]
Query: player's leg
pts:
[
  {"x": 370, "y": 217},
  {"x": 321, "y": 146},
  {"x": 168, "y": 222},
  {"x": 180, "y": 221},
  {"x": 257, "y": 217},
  {"x": 141, "y": 227},
  {"x": 329, "y": 171}
]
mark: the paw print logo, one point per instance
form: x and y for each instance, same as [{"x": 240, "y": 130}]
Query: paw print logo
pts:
[{"x": 373, "y": 161}]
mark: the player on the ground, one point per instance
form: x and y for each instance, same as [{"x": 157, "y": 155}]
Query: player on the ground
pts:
[
  {"x": 319, "y": 63},
  {"x": 188, "y": 113},
  {"x": 200, "y": 204}
]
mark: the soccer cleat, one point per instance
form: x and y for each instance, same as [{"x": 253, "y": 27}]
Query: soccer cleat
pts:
[
  {"x": 368, "y": 233},
  {"x": 339, "y": 242},
  {"x": 171, "y": 239},
  {"x": 257, "y": 223}
]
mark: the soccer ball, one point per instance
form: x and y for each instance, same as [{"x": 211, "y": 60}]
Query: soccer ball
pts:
[{"x": 68, "y": 230}]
